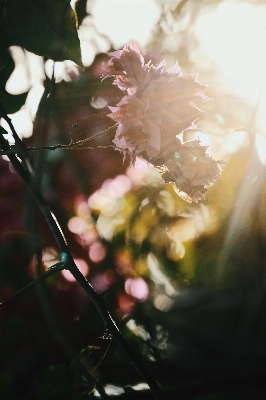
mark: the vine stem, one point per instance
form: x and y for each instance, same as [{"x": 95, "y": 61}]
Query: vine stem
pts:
[{"x": 69, "y": 263}]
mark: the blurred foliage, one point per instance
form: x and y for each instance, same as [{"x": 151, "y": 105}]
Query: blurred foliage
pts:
[{"x": 184, "y": 282}]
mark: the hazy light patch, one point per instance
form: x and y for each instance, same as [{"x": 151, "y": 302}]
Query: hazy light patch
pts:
[
  {"x": 235, "y": 140},
  {"x": 107, "y": 226},
  {"x": 261, "y": 114},
  {"x": 82, "y": 266},
  {"x": 77, "y": 225},
  {"x": 182, "y": 230},
  {"x": 261, "y": 147},
  {"x": 205, "y": 139},
  {"x": 88, "y": 51},
  {"x": 49, "y": 257},
  {"x": 176, "y": 250},
  {"x": 97, "y": 252},
  {"x": 110, "y": 390},
  {"x": 123, "y": 20},
  {"x": 166, "y": 202},
  {"x": 107, "y": 200},
  {"x": 163, "y": 302},
  {"x": 35, "y": 67},
  {"x": 98, "y": 102},
  {"x": 137, "y": 172},
  {"x": 190, "y": 227},
  {"x": 82, "y": 208},
  {"x": 234, "y": 35},
  {"x": 137, "y": 288},
  {"x": 19, "y": 81},
  {"x": 157, "y": 276},
  {"x": 113, "y": 390},
  {"x": 92, "y": 42},
  {"x": 63, "y": 70},
  {"x": 138, "y": 329},
  {"x": 72, "y": 3},
  {"x": 116, "y": 187},
  {"x": 22, "y": 123},
  {"x": 141, "y": 386}
]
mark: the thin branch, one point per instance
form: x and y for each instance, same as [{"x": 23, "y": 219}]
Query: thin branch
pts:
[
  {"x": 67, "y": 258},
  {"x": 13, "y": 149},
  {"x": 71, "y": 146},
  {"x": 81, "y": 142},
  {"x": 105, "y": 354},
  {"x": 53, "y": 270}
]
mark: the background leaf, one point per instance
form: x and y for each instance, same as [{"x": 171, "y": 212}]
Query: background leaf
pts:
[
  {"x": 54, "y": 381},
  {"x": 13, "y": 102},
  {"x": 3, "y": 131},
  {"x": 5, "y": 390},
  {"x": 8, "y": 66},
  {"x": 44, "y": 27}
]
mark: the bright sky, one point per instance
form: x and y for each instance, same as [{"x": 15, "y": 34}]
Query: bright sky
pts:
[
  {"x": 235, "y": 38},
  {"x": 123, "y": 20}
]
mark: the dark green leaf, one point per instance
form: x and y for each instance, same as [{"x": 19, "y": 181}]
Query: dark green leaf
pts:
[
  {"x": 7, "y": 40},
  {"x": 5, "y": 389},
  {"x": 45, "y": 27},
  {"x": 3, "y": 131},
  {"x": 53, "y": 380},
  {"x": 7, "y": 70},
  {"x": 12, "y": 102}
]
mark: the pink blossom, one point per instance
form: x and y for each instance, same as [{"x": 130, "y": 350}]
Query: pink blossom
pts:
[
  {"x": 160, "y": 104},
  {"x": 175, "y": 98},
  {"x": 136, "y": 132},
  {"x": 128, "y": 67},
  {"x": 150, "y": 119}
]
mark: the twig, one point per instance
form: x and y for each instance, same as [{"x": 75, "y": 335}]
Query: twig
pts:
[
  {"x": 69, "y": 263},
  {"x": 71, "y": 146},
  {"x": 81, "y": 142},
  {"x": 54, "y": 269},
  {"x": 13, "y": 149}
]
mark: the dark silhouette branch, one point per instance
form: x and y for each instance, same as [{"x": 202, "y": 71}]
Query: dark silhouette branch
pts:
[
  {"x": 53, "y": 270},
  {"x": 19, "y": 148},
  {"x": 69, "y": 264},
  {"x": 13, "y": 148}
]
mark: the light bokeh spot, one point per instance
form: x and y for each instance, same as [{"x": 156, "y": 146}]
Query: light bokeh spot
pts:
[
  {"x": 137, "y": 288},
  {"x": 97, "y": 252},
  {"x": 82, "y": 266}
]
